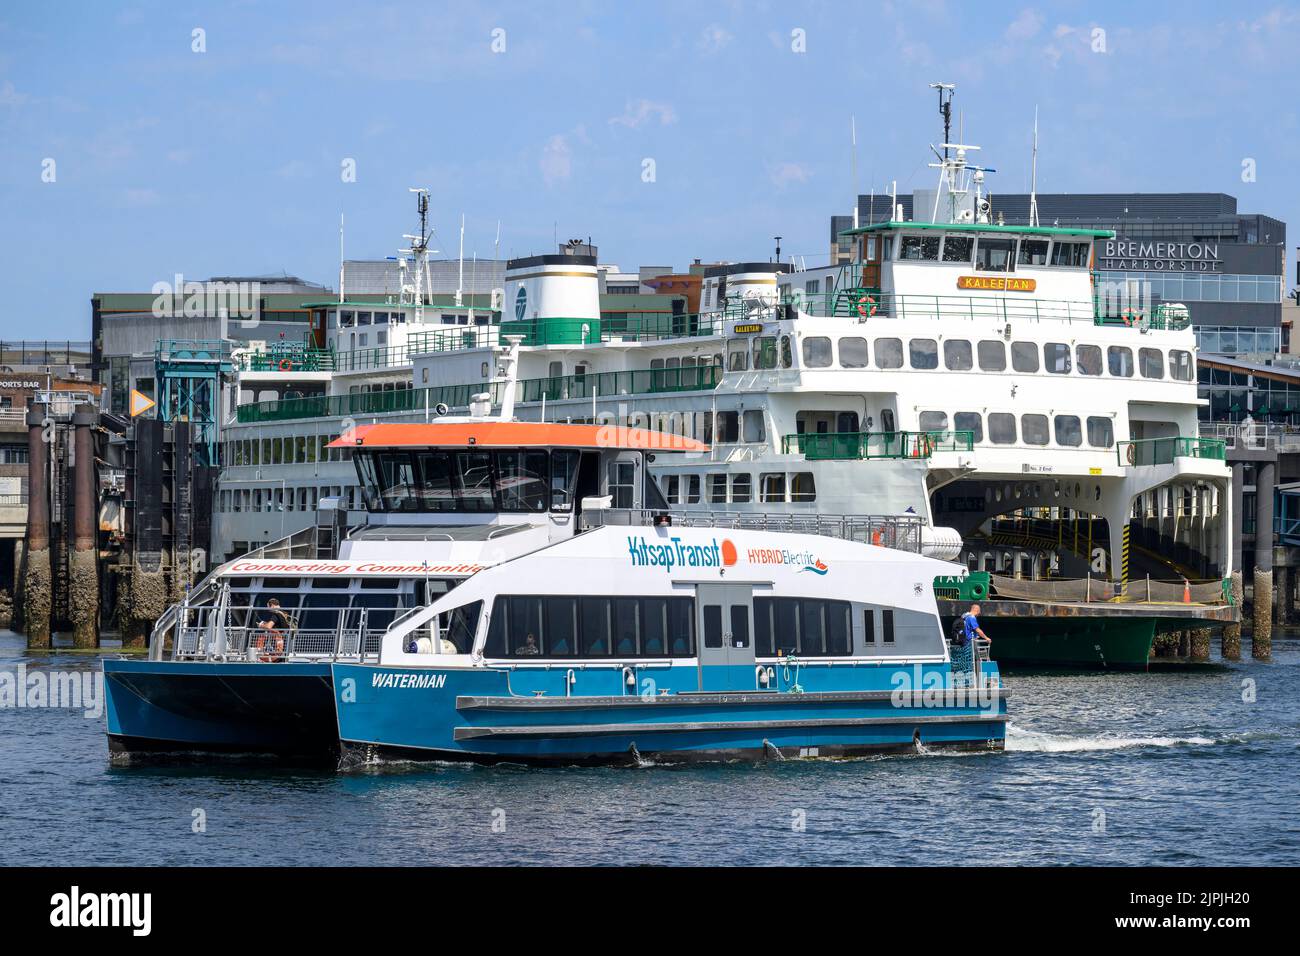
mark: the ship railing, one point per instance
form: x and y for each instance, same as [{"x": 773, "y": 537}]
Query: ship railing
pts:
[
  {"x": 891, "y": 531},
  {"x": 868, "y": 445},
  {"x": 1163, "y": 451},
  {"x": 202, "y": 636},
  {"x": 1256, "y": 436},
  {"x": 967, "y": 662}
]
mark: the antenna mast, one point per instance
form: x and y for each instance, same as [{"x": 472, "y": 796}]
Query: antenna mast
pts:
[
  {"x": 853, "y": 135},
  {"x": 419, "y": 251},
  {"x": 1033, "y": 177},
  {"x": 945, "y": 110}
]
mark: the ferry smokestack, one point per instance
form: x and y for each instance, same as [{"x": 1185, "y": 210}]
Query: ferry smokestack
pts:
[
  {"x": 83, "y": 583},
  {"x": 37, "y": 595}
]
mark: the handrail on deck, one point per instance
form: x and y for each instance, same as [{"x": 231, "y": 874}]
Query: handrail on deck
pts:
[
  {"x": 1163, "y": 451},
  {"x": 869, "y": 445}
]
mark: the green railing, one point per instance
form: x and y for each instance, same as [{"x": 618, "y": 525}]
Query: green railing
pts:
[
  {"x": 1163, "y": 451},
  {"x": 871, "y": 303},
  {"x": 866, "y": 445},
  {"x": 453, "y": 338},
  {"x": 381, "y": 356},
  {"x": 557, "y": 388},
  {"x": 643, "y": 326},
  {"x": 291, "y": 358}
]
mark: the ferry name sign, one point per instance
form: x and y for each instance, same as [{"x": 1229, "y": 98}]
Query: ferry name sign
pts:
[{"x": 996, "y": 283}]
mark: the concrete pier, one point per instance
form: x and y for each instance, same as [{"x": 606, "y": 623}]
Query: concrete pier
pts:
[
  {"x": 83, "y": 579},
  {"x": 37, "y": 582},
  {"x": 1232, "y": 632},
  {"x": 1261, "y": 639},
  {"x": 1200, "y": 644}
]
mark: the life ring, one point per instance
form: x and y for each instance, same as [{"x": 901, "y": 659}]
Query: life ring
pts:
[
  {"x": 286, "y": 365},
  {"x": 866, "y": 306},
  {"x": 1131, "y": 454}
]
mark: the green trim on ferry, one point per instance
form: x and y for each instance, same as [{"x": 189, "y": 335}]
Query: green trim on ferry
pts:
[
  {"x": 983, "y": 227},
  {"x": 553, "y": 330}
]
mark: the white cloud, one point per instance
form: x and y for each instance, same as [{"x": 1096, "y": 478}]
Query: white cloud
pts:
[
  {"x": 1026, "y": 25},
  {"x": 714, "y": 38},
  {"x": 556, "y": 161},
  {"x": 783, "y": 174},
  {"x": 640, "y": 112}
]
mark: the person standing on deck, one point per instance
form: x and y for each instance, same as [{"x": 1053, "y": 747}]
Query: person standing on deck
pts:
[{"x": 970, "y": 626}]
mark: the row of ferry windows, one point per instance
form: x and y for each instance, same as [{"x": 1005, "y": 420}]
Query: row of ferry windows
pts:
[
  {"x": 992, "y": 253},
  {"x": 1034, "y": 429},
  {"x": 545, "y": 626},
  {"x": 286, "y": 499},
  {"x": 991, "y": 354},
  {"x": 720, "y": 489},
  {"x": 284, "y": 450}
]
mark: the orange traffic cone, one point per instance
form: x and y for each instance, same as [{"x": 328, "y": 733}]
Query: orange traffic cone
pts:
[{"x": 1187, "y": 591}]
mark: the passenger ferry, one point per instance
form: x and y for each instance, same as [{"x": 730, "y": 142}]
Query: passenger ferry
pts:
[{"x": 968, "y": 378}]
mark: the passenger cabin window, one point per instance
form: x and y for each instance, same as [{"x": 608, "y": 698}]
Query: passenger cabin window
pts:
[
  {"x": 920, "y": 248},
  {"x": 538, "y": 626},
  {"x": 1151, "y": 363},
  {"x": 753, "y": 425},
  {"x": 738, "y": 356},
  {"x": 934, "y": 421},
  {"x": 971, "y": 422},
  {"x": 1180, "y": 365},
  {"x": 924, "y": 353},
  {"x": 1120, "y": 361},
  {"x": 717, "y": 489},
  {"x": 992, "y": 355},
  {"x": 1033, "y": 252},
  {"x": 1002, "y": 428},
  {"x": 817, "y": 351},
  {"x": 994, "y": 255},
  {"x": 889, "y": 353},
  {"x": 1056, "y": 358},
  {"x": 1075, "y": 254},
  {"x": 809, "y": 627},
  {"x": 728, "y": 428},
  {"x": 957, "y": 248},
  {"x": 803, "y": 487},
  {"x": 772, "y": 487},
  {"x": 1068, "y": 431},
  {"x": 741, "y": 489},
  {"x": 957, "y": 355},
  {"x": 1024, "y": 356},
  {"x": 1088, "y": 359},
  {"x": 853, "y": 352},
  {"x": 1101, "y": 432},
  {"x": 1034, "y": 429}
]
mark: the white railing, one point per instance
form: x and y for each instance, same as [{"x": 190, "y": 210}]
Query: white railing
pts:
[
  {"x": 890, "y": 531},
  {"x": 202, "y": 637}
]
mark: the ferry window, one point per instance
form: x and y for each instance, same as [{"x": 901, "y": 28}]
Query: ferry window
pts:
[
  {"x": 971, "y": 422},
  {"x": 739, "y": 625},
  {"x": 681, "y": 626},
  {"x": 771, "y": 487},
  {"x": 887, "y": 420},
  {"x": 817, "y": 351},
  {"x": 753, "y": 425},
  {"x": 846, "y": 423},
  {"x": 1180, "y": 365},
  {"x": 1120, "y": 359},
  {"x": 1002, "y": 428},
  {"x": 785, "y": 624},
  {"x": 994, "y": 255},
  {"x": 692, "y": 489},
  {"x": 1024, "y": 356},
  {"x": 626, "y": 627},
  {"x": 957, "y": 248},
  {"x": 889, "y": 353},
  {"x": 1151, "y": 363},
  {"x": 717, "y": 489},
  {"x": 1034, "y": 429},
  {"x": 887, "y": 626},
  {"x": 1088, "y": 358},
  {"x": 1068, "y": 431},
  {"x": 1101, "y": 433},
  {"x": 1071, "y": 254},
  {"x": 934, "y": 421},
  {"x": 741, "y": 489},
  {"x": 765, "y": 351},
  {"x": 924, "y": 353},
  {"x": 922, "y": 248},
  {"x": 521, "y": 480},
  {"x": 738, "y": 356},
  {"x": 436, "y": 490},
  {"x": 564, "y": 479},
  {"x": 713, "y": 625},
  {"x": 887, "y": 248},
  {"x": 957, "y": 355},
  {"x": 474, "y": 476},
  {"x": 622, "y": 476},
  {"x": 460, "y": 626},
  {"x": 992, "y": 355},
  {"x": 655, "y": 365},
  {"x": 763, "y": 628},
  {"x": 1033, "y": 252},
  {"x": 787, "y": 360},
  {"x": 838, "y": 630},
  {"x": 396, "y": 481},
  {"x": 812, "y": 628},
  {"x": 869, "y": 625},
  {"x": 728, "y": 428},
  {"x": 381, "y": 609},
  {"x": 853, "y": 352},
  {"x": 595, "y": 627},
  {"x": 1056, "y": 358},
  {"x": 803, "y": 487}
]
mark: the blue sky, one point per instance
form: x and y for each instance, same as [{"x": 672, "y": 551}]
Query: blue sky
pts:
[{"x": 229, "y": 161}]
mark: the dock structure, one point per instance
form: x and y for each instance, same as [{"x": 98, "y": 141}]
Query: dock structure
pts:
[{"x": 37, "y": 582}]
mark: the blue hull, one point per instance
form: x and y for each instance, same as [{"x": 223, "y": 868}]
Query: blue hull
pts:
[
  {"x": 248, "y": 709},
  {"x": 485, "y": 715}
]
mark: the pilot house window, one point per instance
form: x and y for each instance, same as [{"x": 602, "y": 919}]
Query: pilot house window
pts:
[{"x": 994, "y": 255}]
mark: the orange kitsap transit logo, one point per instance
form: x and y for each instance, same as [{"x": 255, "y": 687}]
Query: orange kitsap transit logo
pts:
[{"x": 729, "y": 556}]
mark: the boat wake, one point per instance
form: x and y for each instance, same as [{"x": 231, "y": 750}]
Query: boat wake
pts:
[{"x": 1033, "y": 741}]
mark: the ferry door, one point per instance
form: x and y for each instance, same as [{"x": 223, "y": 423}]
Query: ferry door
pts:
[{"x": 726, "y": 636}]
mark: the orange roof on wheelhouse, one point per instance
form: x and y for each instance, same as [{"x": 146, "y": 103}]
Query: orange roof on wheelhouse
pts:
[{"x": 513, "y": 435}]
